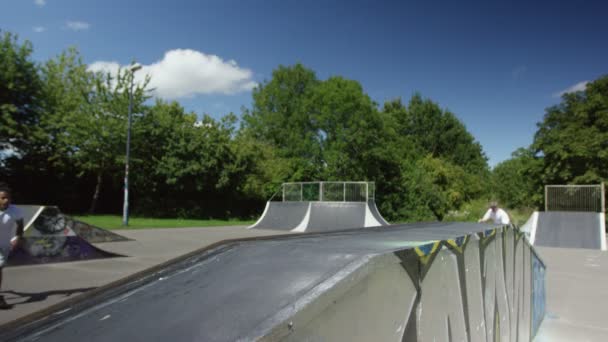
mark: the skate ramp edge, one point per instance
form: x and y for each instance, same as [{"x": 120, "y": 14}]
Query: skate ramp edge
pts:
[{"x": 485, "y": 284}]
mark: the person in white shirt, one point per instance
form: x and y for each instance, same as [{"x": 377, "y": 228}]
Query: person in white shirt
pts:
[
  {"x": 496, "y": 215},
  {"x": 11, "y": 232}
]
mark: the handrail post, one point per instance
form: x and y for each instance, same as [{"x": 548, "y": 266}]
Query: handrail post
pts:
[
  {"x": 321, "y": 191},
  {"x": 603, "y": 194}
]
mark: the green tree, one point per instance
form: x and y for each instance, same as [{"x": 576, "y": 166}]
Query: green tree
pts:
[
  {"x": 572, "y": 139},
  {"x": 440, "y": 133},
  {"x": 92, "y": 113},
  {"x": 19, "y": 97},
  {"x": 515, "y": 182},
  {"x": 280, "y": 117}
]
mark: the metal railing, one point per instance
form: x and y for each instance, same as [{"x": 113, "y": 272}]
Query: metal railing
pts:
[
  {"x": 328, "y": 191},
  {"x": 590, "y": 198}
]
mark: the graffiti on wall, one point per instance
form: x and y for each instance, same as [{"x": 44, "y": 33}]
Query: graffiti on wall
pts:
[
  {"x": 487, "y": 286},
  {"x": 481, "y": 287}
]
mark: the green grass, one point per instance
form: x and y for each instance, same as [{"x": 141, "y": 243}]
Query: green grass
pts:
[{"x": 115, "y": 222}]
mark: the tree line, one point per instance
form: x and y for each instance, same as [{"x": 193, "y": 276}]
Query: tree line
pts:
[{"x": 63, "y": 133}]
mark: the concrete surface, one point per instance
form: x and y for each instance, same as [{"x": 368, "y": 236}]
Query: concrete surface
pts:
[
  {"x": 35, "y": 287},
  {"x": 577, "y": 293},
  {"x": 352, "y": 285}
]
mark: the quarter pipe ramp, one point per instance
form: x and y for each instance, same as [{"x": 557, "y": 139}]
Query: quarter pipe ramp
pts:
[
  {"x": 318, "y": 216},
  {"x": 567, "y": 229}
]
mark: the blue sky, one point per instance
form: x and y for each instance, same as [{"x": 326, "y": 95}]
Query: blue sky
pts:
[{"x": 496, "y": 64}]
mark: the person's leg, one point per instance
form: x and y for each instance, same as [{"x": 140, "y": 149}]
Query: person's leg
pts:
[{"x": 3, "y": 304}]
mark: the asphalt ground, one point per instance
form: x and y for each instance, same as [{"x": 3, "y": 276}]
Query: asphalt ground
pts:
[{"x": 35, "y": 287}]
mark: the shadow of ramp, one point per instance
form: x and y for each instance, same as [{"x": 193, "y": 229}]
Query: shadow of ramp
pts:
[
  {"x": 19, "y": 298},
  {"x": 52, "y": 249}
]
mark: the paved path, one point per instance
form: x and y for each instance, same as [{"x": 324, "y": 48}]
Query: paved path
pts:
[
  {"x": 577, "y": 295},
  {"x": 35, "y": 287}
]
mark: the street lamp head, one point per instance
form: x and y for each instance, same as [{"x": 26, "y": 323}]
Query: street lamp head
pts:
[{"x": 134, "y": 67}]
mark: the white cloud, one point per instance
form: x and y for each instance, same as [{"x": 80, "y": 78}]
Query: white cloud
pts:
[
  {"x": 40, "y": 2},
  {"x": 77, "y": 25},
  {"x": 185, "y": 73},
  {"x": 39, "y": 29},
  {"x": 580, "y": 86}
]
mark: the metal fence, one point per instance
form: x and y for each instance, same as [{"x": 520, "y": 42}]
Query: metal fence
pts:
[
  {"x": 575, "y": 198},
  {"x": 328, "y": 191}
]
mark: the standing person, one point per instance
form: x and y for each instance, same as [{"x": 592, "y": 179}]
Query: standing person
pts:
[
  {"x": 496, "y": 214},
  {"x": 11, "y": 232}
]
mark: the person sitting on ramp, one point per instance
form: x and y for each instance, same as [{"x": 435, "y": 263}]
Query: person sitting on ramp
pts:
[{"x": 495, "y": 215}]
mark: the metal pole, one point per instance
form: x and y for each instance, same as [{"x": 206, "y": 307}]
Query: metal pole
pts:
[
  {"x": 321, "y": 191},
  {"x": 125, "y": 208},
  {"x": 603, "y": 194},
  {"x": 546, "y": 189}
]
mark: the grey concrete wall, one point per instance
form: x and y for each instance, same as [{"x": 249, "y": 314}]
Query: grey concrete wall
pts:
[{"x": 482, "y": 287}]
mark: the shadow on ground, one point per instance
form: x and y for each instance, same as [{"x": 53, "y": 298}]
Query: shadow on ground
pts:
[{"x": 18, "y": 298}]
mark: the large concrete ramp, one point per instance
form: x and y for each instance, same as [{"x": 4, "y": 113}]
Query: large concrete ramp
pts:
[
  {"x": 568, "y": 229},
  {"x": 416, "y": 282}
]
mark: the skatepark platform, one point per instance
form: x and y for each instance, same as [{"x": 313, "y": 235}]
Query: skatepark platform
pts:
[{"x": 393, "y": 283}]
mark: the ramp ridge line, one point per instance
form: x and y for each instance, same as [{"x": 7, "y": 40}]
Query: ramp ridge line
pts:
[
  {"x": 370, "y": 219},
  {"x": 603, "y": 230},
  {"x": 262, "y": 216},
  {"x": 304, "y": 224},
  {"x": 534, "y": 225}
]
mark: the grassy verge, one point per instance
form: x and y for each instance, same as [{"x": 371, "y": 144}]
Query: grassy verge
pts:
[{"x": 115, "y": 222}]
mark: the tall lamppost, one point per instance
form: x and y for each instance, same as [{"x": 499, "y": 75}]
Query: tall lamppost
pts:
[{"x": 125, "y": 208}]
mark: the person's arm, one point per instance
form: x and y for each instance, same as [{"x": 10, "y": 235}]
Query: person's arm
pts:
[
  {"x": 19, "y": 235},
  {"x": 486, "y": 216}
]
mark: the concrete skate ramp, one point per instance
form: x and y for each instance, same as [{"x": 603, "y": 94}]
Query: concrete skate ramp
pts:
[
  {"x": 569, "y": 229},
  {"x": 50, "y": 237},
  {"x": 328, "y": 216},
  {"x": 319, "y": 216},
  {"x": 52, "y": 249},
  {"x": 435, "y": 281},
  {"x": 43, "y": 220},
  {"x": 376, "y": 213},
  {"x": 282, "y": 215}
]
